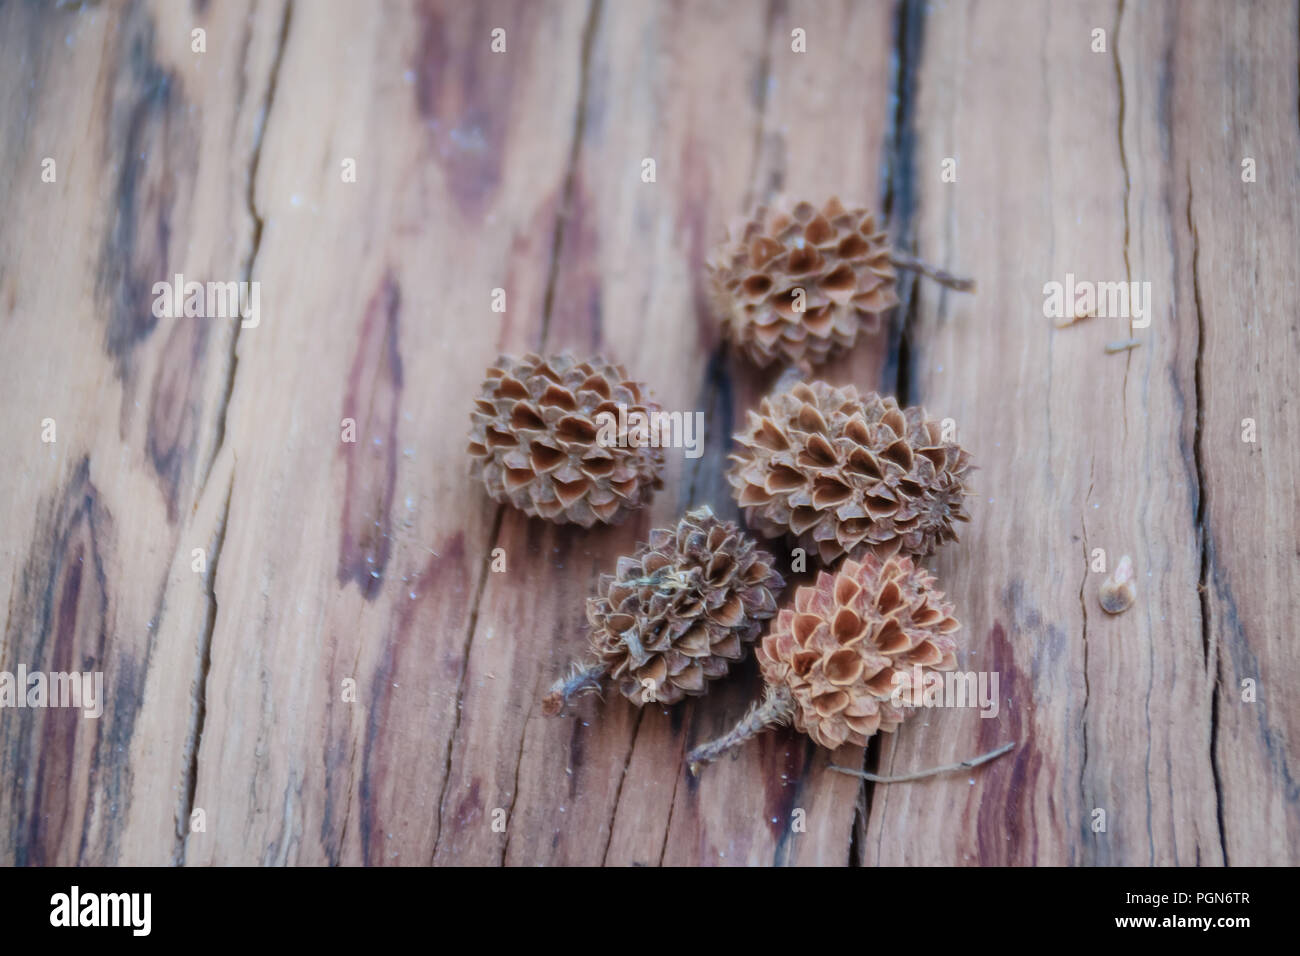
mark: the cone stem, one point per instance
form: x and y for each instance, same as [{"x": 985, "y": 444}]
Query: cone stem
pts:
[
  {"x": 581, "y": 677},
  {"x": 776, "y": 708},
  {"x": 904, "y": 261},
  {"x": 921, "y": 774}
]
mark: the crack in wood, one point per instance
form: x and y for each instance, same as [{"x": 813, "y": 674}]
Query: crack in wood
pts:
[
  {"x": 1128, "y": 185},
  {"x": 897, "y": 202},
  {"x": 464, "y": 675},
  {"x": 514, "y": 790},
  {"x": 199, "y": 711},
  {"x": 899, "y": 199},
  {"x": 571, "y": 170},
  {"x": 198, "y": 715},
  {"x": 256, "y": 243},
  {"x": 1209, "y": 647},
  {"x": 618, "y": 793},
  {"x": 672, "y": 801},
  {"x": 1083, "y": 607}
]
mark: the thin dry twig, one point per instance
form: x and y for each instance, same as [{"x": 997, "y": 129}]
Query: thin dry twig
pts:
[{"x": 921, "y": 774}]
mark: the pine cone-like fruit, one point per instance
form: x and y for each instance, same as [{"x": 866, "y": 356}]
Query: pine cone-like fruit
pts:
[
  {"x": 835, "y": 256},
  {"x": 845, "y": 474},
  {"x": 851, "y": 640},
  {"x": 536, "y": 439},
  {"x": 677, "y": 613}
]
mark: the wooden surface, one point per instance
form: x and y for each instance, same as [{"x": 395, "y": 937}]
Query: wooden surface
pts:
[{"x": 329, "y": 562}]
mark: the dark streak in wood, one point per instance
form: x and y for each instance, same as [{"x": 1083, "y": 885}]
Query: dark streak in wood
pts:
[
  {"x": 694, "y": 199},
  {"x": 899, "y": 197},
  {"x": 60, "y": 622},
  {"x": 1001, "y": 822},
  {"x": 462, "y": 89},
  {"x": 151, "y": 144},
  {"x": 705, "y": 477},
  {"x": 373, "y": 399},
  {"x": 470, "y": 807},
  {"x": 174, "y": 410},
  {"x": 785, "y": 761}
]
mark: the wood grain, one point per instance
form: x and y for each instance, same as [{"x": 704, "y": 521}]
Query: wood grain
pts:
[
  {"x": 1126, "y": 714},
  {"x": 102, "y": 522},
  {"x": 345, "y": 679}
]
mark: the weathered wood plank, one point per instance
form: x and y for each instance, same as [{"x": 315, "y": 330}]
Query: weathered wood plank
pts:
[
  {"x": 627, "y": 284},
  {"x": 593, "y": 786},
  {"x": 363, "y": 561},
  {"x": 1235, "y": 97},
  {"x": 1036, "y": 155},
  {"x": 1041, "y": 190},
  {"x": 825, "y": 122},
  {"x": 151, "y": 144},
  {"x": 1090, "y": 450},
  {"x": 348, "y": 682}
]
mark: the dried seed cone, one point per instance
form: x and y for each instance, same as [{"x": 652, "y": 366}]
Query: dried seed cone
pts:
[
  {"x": 675, "y": 614},
  {"x": 845, "y": 474},
  {"x": 836, "y": 256},
  {"x": 535, "y": 439},
  {"x": 834, "y": 664},
  {"x": 851, "y": 640}
]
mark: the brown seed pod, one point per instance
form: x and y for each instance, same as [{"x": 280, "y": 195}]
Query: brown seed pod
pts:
[
  {"x": 536, "y": 439},
  {"x": 845, "y": 474},
  {"x": 675, "y": 614},
  {"x": 793, "y": 283},
  {"x": 838, "y": 664}
]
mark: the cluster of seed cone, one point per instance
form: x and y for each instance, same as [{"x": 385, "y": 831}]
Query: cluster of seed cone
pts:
[
  {"x": 795, "y": 283},
  {"x": 845, "y": 474},
  {"x": 535, "y": 439},
  {"x": 676, "y": 614},
  {"x": 840, "y": 473}
]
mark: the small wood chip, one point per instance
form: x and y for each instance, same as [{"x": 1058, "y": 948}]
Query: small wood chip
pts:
[
  {"x": 1065, "y": 321},
  {"x": 1123, "y": 345}
]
